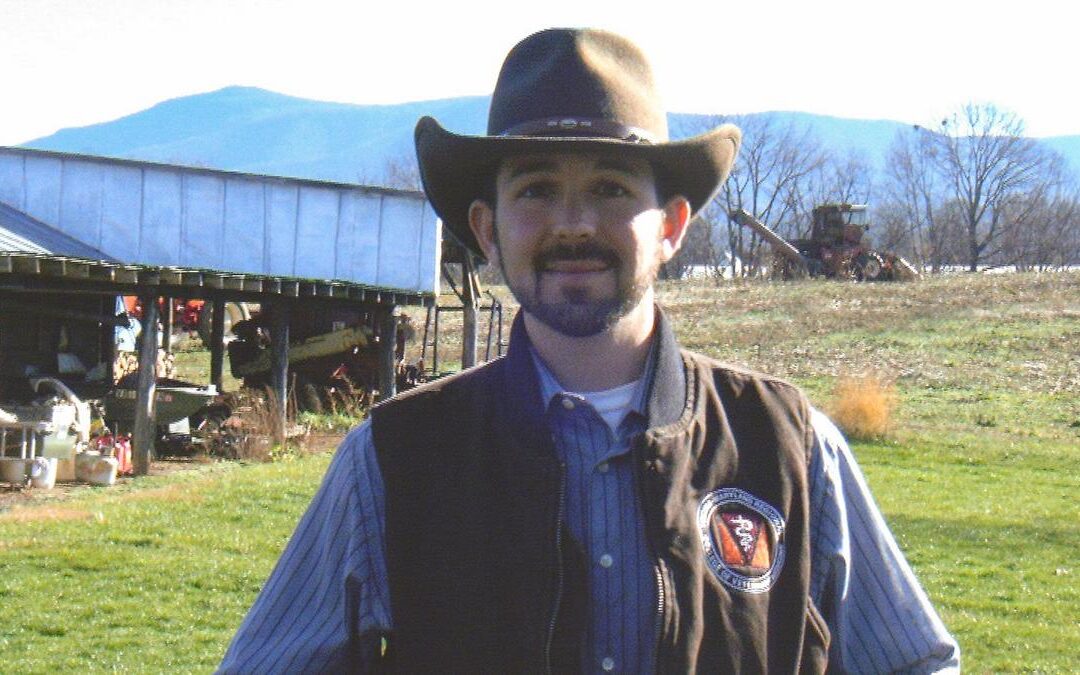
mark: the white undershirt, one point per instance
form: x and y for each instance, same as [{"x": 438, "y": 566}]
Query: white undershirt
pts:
[{"x": 613, "y": 404}]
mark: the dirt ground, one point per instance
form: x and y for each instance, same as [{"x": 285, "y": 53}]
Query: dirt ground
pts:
[{"x": 13, "y": 495}]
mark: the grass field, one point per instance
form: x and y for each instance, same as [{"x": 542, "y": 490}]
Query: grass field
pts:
[{"x": 977, "y": 475}]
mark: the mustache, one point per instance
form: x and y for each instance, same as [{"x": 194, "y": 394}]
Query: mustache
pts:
[{"x": 584, "y": 251}]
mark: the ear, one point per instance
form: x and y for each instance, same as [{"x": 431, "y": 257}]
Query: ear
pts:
[
  {"x": 676, "y": 222},
  {"x": 482, "y": 224}
]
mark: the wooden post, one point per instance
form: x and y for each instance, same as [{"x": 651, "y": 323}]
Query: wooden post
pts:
[
  {"x": 217, "y": 340},
  {"x": 279, "y": 369},
  {"x": 470, "y": 297},
  {"x": 387, "y": 318},
  {"x": 167, "y": 326},
  {"x": 145, "y": 428},
  {"x": 107, "y": 348}
]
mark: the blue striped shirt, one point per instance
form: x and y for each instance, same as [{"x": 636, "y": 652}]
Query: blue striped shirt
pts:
[{"x": 331, "y": 581}]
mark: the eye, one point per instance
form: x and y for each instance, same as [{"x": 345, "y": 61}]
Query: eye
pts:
[
  {"x": 536, "y": 189},
  {"x": 610, "y": 189}
]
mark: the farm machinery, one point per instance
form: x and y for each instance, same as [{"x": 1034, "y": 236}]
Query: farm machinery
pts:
[
  {"x": 193, "y": 315},
  {"x": 838, "y": 247}
]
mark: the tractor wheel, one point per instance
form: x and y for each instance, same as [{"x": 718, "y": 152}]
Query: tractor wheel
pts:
[
  {"x": 235, "y": 312},
  {"x": 869, "y": 267}
]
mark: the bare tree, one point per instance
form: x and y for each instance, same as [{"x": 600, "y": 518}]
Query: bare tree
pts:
[
  {"x": 914, "y": 193},
  {"x": 697, "y": 251},
  {"x": 988, "y": 165},
  {"x": 846, "y": 179},
  {"x": 1047, "y": 235},
  {"x": 399, "y": 172},
  {"x": 402, "y": 172},
  {"x": 766, "y": 181}
]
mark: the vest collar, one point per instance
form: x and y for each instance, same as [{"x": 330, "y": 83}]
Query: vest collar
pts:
[{"x": 666, "y": 399}]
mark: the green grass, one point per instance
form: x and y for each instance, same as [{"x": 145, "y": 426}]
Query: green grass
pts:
[
  {"x": 152, "y": 579},
  {"x": 978, "y": 479}
]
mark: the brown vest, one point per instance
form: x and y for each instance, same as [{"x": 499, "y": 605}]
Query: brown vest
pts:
[{"x": 483, "y": 580}]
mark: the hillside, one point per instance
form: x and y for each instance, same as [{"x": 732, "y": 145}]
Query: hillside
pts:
[{"x": 258, "y": 131}]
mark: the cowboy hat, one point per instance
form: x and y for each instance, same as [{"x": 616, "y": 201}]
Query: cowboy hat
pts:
[{"x": 569, "y": 90}]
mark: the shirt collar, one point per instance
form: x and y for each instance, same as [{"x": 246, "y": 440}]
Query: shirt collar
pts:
[
  {"x": 550, "y": 386},
  {"x": 661, "y": 398}
]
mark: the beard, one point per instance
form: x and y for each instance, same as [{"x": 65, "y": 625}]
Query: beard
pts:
[{"x": 576, "y": 313}]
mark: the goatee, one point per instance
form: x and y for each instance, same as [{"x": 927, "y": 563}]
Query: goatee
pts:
[{"x": 577, "y": 314}]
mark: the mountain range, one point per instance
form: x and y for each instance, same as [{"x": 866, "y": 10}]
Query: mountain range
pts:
[{"x": 258, "y": 131}]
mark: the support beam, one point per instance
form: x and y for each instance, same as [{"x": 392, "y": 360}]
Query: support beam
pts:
[
  {"x": 145, "y": 428},
  {"x": 470, "y": 298},
  {"x": 217, "y": 340},
  {"x": 167, "y": 325},
  {"x": 387, "y": 319},
  {"x": 107, "y": 337},
  {"x": 279, "y": 368}
]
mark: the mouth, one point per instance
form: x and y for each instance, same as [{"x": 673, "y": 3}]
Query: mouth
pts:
[
  {"x": 586, "y": 259},
  {"x": 576, "y": 266}
]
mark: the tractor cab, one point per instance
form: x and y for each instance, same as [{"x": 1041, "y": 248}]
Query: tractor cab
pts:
[{"x": 839, "y": 224}]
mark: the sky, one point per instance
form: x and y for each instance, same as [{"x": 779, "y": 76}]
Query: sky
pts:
[{"x": 69, "y": 63}]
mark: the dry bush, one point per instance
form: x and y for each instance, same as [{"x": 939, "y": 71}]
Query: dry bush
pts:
[
  {"x": 250, "y": 431},
  {"x": 862, "y": 406},
  {"x": 347, "y": 400}
]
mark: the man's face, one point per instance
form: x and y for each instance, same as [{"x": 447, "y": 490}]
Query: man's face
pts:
[{"x": 579, "y": 238}]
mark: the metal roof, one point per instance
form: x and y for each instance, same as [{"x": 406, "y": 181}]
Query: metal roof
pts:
[
  {"x": 20, "y": 232},
  {"x": 166, "y": 216}
]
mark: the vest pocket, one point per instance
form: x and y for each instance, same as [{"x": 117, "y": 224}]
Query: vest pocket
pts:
[{"x": 815, "y": 651}]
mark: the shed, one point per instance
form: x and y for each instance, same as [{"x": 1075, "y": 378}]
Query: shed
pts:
[{"x": 77, "y": 230}]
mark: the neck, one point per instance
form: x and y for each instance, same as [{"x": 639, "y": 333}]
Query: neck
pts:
[{"x": 606, "y": 360}]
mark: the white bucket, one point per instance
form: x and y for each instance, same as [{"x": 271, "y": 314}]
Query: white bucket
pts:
[
  {"x": 91, "y": 467},
  {"x": 13, "y": 470},
  {"x": 43, "y": 472}
]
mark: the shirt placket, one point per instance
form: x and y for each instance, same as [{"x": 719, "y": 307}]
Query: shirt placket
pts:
[{"x": 600, "y": 508}]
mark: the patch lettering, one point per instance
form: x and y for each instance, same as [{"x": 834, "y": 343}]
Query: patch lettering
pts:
[{"x": 742, "y": 537}]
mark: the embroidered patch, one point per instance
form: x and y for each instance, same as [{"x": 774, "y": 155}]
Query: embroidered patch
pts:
[{"x": 743, "y": 539}]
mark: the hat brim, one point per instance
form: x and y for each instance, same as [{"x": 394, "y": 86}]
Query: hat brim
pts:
[{"x": 455, "y": 169}]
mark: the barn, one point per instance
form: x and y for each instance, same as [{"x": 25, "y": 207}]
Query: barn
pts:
[{"x": 79, "y": 231}]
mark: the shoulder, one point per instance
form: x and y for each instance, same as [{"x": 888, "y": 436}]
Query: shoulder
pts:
[
  {"x": 754, "y": 395},
  {"x": 455, "y": 386},
  {"x": 739, "y": 378}
]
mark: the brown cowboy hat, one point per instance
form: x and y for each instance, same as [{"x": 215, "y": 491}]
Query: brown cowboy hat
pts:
[{"x": 569, "y": 90}]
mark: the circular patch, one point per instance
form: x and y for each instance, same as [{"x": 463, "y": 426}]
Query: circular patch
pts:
[{"x": 743, "y": 539}]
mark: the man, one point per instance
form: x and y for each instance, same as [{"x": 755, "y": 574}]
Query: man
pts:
[{"x": 598, "y": 500}]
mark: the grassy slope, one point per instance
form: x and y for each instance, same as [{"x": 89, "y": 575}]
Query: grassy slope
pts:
[{"x": 978, "y": 480}]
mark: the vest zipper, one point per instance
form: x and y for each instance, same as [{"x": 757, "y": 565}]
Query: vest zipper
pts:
[
  {"x": 661, "y": 596},
  {"x": 561, "y": 511},
  {"x": 658, "y": 562}
]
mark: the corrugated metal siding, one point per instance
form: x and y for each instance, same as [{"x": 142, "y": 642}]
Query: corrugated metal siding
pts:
[{"x": 153, "y": 214}]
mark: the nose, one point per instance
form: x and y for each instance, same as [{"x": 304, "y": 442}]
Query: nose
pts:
[{"x": 576, "y": 219}]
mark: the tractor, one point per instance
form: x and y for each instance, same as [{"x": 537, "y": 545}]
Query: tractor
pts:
[{"x": 838, "y": 247}]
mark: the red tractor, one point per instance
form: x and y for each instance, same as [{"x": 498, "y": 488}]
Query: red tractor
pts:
[{"x": 838, "y": 247}]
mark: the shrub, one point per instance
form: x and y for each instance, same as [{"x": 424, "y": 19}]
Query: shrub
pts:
[{"x": 862, "y": 406}]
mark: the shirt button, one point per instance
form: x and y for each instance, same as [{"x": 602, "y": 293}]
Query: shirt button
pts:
[
  {"x": 606, "y": 560},
  {"x": 608, "y": 663},
  {"x": 603, "y": 467},
  {"x": 567, "y": 403}
]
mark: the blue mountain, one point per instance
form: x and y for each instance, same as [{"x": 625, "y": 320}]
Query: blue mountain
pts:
[{"x": 258, "y": 131}]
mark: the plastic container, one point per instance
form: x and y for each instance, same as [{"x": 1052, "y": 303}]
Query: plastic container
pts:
[
  {"x": 94, "y": 468},
  {"x": 43, "y": 472},
  {"x": 13, "y": 470}
]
